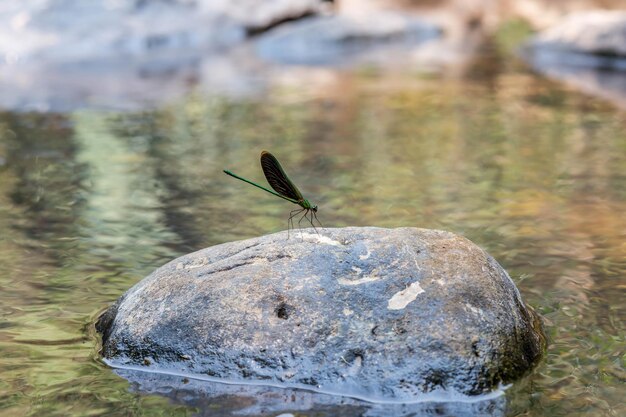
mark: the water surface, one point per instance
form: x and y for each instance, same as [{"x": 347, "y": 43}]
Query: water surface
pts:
[{"x": 92, "y": 201}]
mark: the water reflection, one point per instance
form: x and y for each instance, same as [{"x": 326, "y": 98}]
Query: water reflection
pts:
[
  {"x": 217, "y": 400},
  {"x": 90, "y": 202}
]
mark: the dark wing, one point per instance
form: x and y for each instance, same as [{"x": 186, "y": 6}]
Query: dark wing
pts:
[{"x": 277, "y": 178}]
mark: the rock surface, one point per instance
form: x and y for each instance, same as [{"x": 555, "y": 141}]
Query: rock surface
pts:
[{"x": 377, "y": 314}]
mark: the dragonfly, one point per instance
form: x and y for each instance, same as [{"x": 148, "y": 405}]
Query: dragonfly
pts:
[{"x": 284, "y": 188}]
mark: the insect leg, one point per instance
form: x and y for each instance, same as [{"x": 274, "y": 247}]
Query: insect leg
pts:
[
  {"x": 306, "y": 211},
  {"x": 290, "y": 220},
  {"x": 311, "y": 212},
  {"x": 302, "y": 218},
  {"x": 318, "y": 220}
]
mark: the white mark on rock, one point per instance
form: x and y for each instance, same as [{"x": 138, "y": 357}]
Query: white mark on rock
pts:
[
  {"x": 364, "y": 280},
  {"x": 440, "y": 282},
  {"x": 356, "y": 366},
  {"x": 347, "y": 312},
  {"x": 367, "y": 255},
  {"x": 310, "y": 237},
  {"x": 475, "y": 310},
  {"x": 201, "y": 263},
  {"x": 402, "y": 298}
]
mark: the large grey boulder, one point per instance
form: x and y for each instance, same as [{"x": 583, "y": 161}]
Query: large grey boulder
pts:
[{"x": 379, "y": 314}]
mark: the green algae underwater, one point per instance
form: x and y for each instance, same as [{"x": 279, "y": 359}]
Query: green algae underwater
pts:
[{"x": 92, "y": 201}]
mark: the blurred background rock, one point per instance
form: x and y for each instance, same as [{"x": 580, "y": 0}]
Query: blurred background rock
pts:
[{"x": 66, "y": 54}]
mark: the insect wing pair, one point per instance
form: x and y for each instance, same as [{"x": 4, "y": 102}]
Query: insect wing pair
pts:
[{"x": 284, "y": 188}]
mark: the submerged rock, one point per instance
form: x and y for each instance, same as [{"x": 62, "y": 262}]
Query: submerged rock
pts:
[{"x": 377, "y": 314}]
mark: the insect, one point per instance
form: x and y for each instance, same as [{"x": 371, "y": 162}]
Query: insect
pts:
[{"x": 283, "y": 188}]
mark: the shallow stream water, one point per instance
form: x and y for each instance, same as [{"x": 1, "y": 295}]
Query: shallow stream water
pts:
[{"x": 92, "y": 201}]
